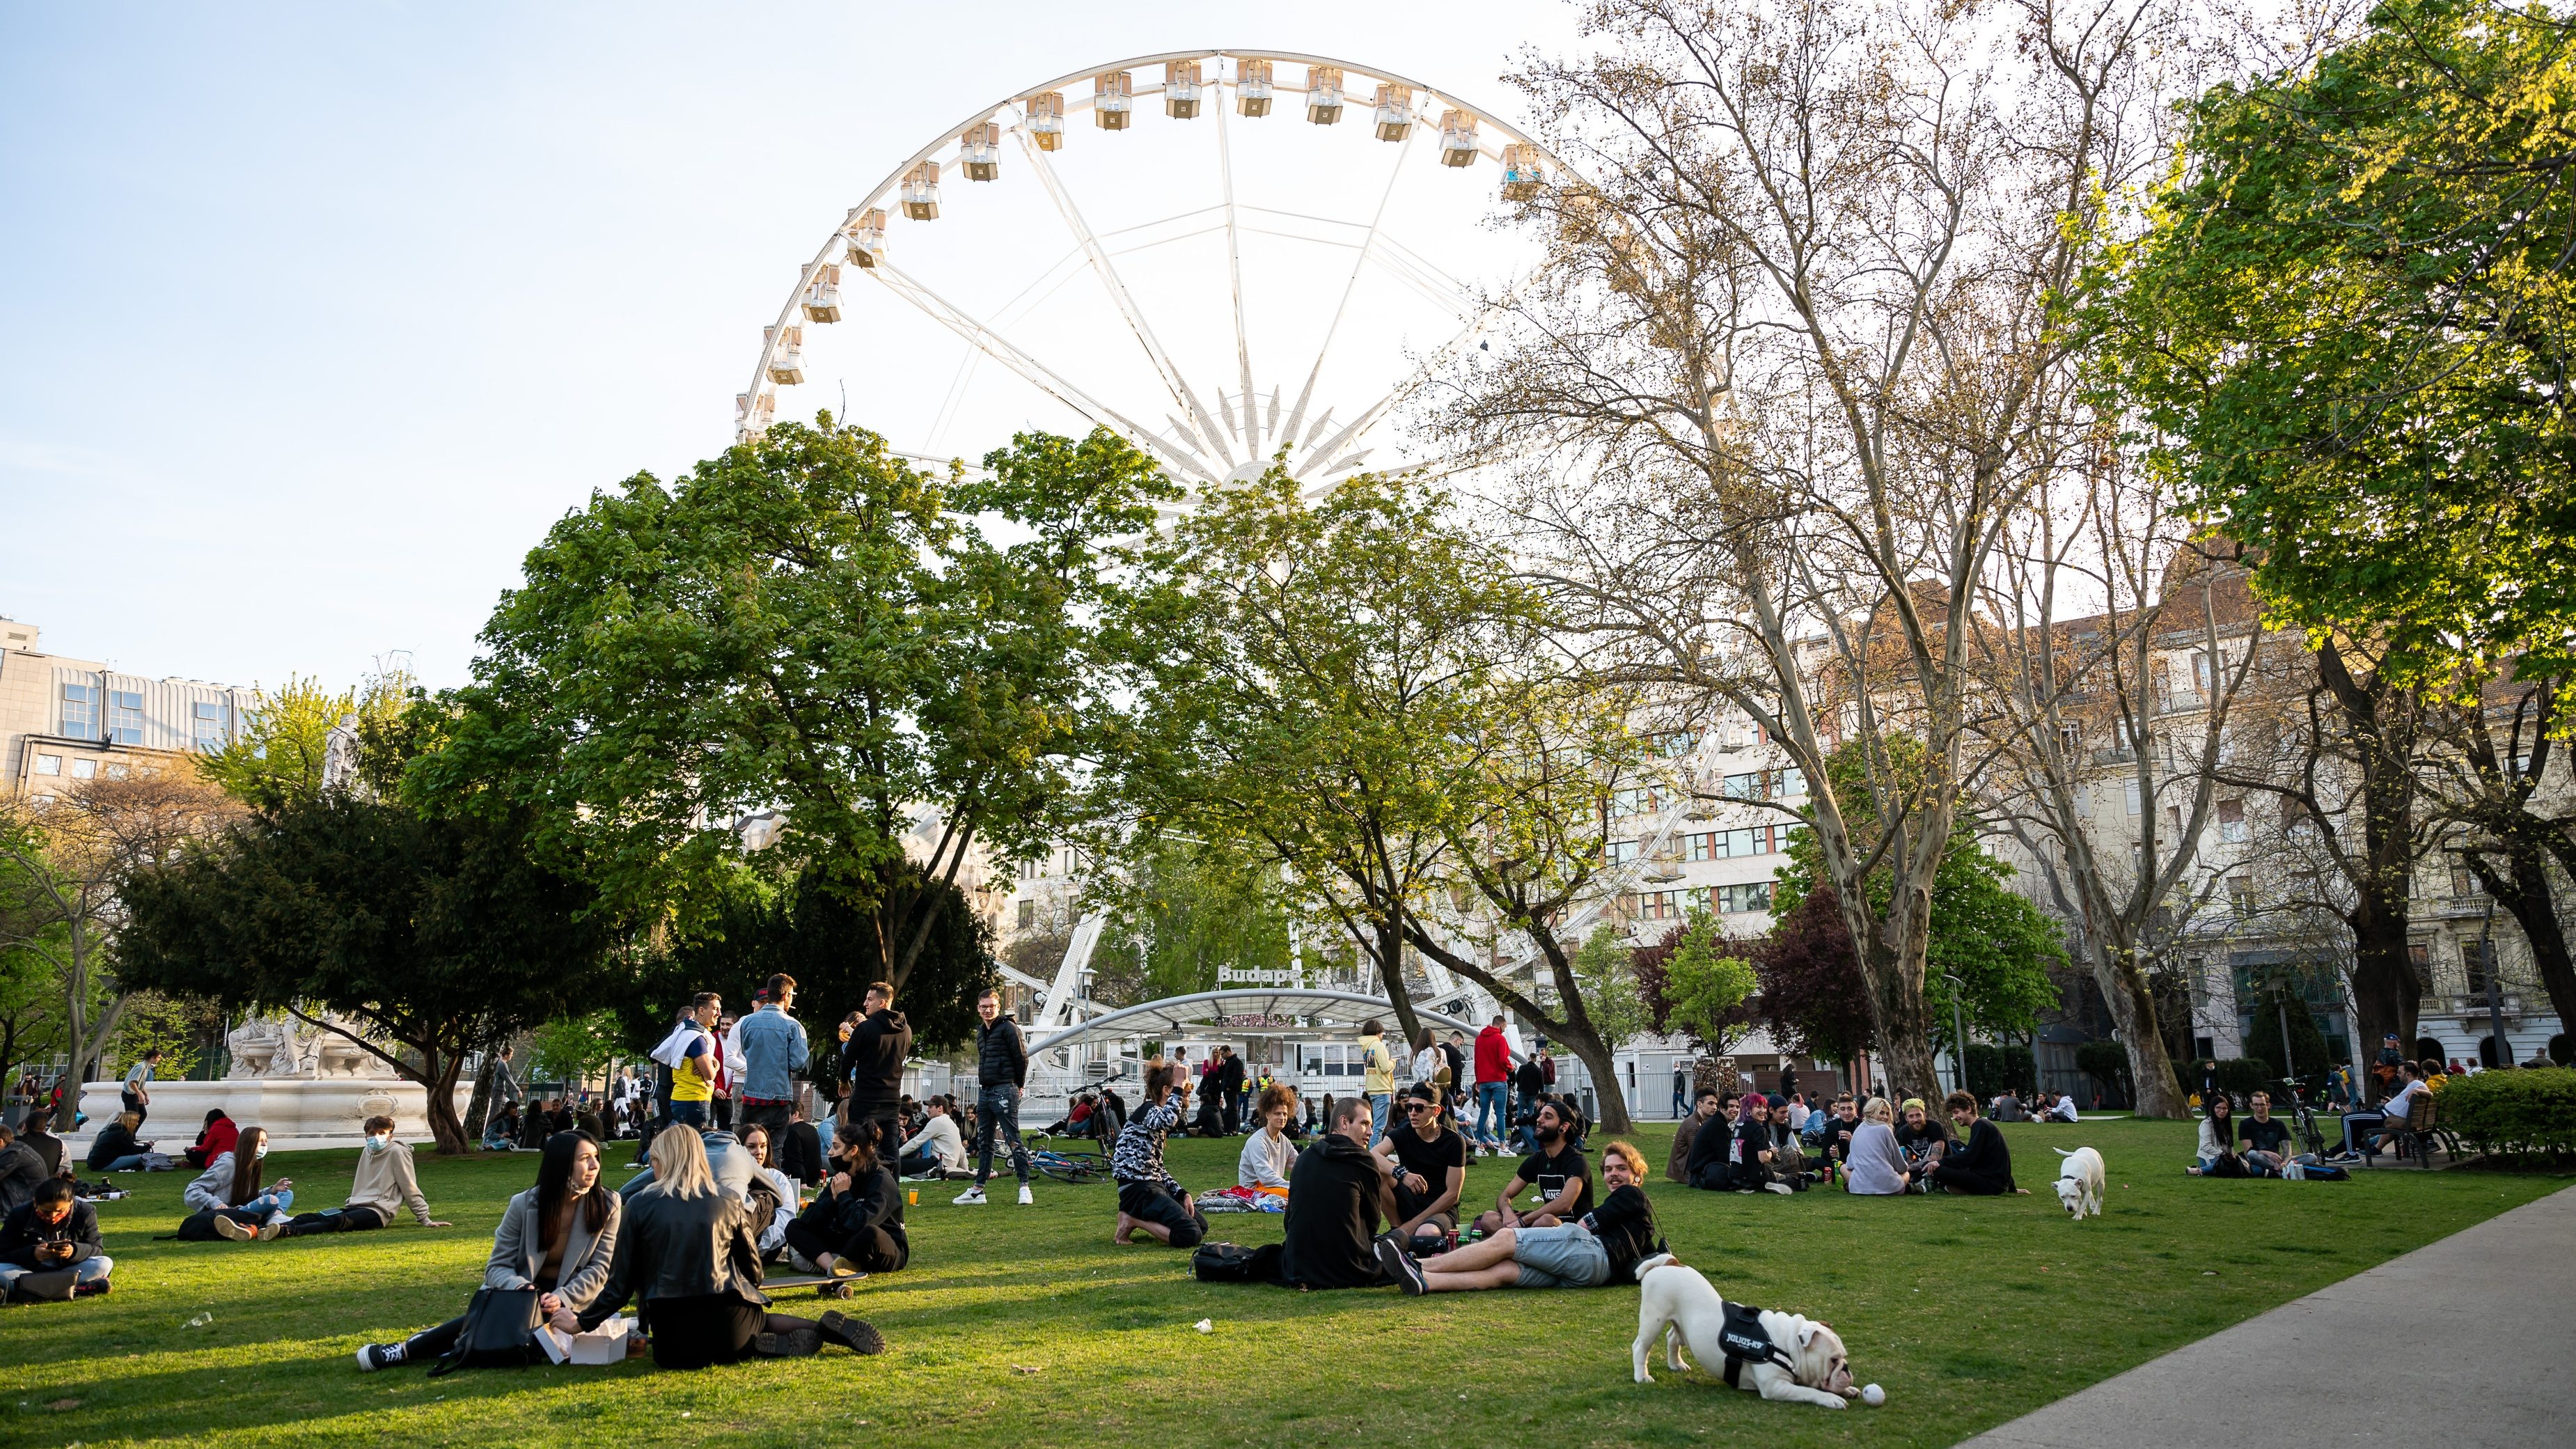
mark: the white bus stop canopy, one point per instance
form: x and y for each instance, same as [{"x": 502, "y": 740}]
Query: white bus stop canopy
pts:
[{"x": 1245, "y": 1011}]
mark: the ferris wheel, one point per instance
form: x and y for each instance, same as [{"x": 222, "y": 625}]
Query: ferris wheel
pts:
[{"x": 1245, "y": 276}]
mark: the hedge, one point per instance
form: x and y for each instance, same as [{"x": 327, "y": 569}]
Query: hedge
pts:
[
  {"x": 2513, "y": 1113},
  {"x": 1993, "y": 1068}
]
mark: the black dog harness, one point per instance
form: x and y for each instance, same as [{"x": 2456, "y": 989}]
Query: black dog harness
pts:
[{"x": 1745, "y": 1341}]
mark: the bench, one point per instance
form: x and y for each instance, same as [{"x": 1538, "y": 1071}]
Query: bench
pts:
[{"x": 2423, "y": 1128}]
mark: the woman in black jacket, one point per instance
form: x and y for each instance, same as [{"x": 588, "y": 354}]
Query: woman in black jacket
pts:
[
  {"x": 114, "y": 1149},
  {"x": 685, "y": 1249},
  {"x": 854, "y": 1227}
]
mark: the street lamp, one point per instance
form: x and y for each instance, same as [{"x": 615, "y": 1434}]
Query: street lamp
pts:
[{"x": 1959, "y": 1028}]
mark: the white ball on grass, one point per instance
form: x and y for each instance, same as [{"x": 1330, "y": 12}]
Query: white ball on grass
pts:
[{"x": 1873, "y": 1396}]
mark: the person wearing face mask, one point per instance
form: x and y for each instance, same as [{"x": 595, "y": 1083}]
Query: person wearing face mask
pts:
[
  {"x": 227, "y": 1200},
  {"x": 385, "y": 1180},
  {"x": 854, "y": 1226},
  {"x": 557, "y": 1237}
]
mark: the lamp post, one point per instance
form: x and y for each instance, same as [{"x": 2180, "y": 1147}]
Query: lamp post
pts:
[{"x": 1959, "y": 1028}]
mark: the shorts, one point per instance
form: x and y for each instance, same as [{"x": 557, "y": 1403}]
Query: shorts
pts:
[
  {"x": 1560, "y": 1257},
  {"x": 1147, "y": 1202}
]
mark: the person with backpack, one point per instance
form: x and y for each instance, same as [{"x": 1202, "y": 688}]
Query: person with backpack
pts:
[{"x": 557, "y": 1237}]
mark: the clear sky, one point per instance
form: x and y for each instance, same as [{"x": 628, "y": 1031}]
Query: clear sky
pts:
[{"x": 312, "y": 318}]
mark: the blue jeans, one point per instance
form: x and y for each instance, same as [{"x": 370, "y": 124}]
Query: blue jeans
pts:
[
  {"x": 1491, "y": 1112},
  {"x": 1378, "y": 1104},
  {"x": 281, "y": 1200},
  {"x": 997, "y": 1109},
  {"x": 131, "y": 1162},
  {"x": 692, "y": 1113},
  {"x": 92, "y": 1269}
]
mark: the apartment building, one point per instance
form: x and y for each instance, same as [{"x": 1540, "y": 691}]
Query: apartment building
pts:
[{"x": 64, "y": 720}]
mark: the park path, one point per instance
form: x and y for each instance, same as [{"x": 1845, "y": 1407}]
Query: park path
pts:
[{"x": 2464, "y": 1342}]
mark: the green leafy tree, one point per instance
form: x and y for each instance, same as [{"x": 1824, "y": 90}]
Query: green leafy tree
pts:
[
  {"x": 1179, "y": 913},
  {"x": 438, "y": 936},
  {"x": 1698, "y": 986},
  {"x": 277, "y": 755},
  {"x": 1612, "y": 994},
  {"x": 573, "y": 1049},
  {"x": 2350, "y": 329},
  {"x": 804, "y": 623}
]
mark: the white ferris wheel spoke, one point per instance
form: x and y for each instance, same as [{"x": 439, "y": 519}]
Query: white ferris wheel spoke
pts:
[
  {"x": 1234, "y": 274},
  {"x": 1046, "y": 379},
  {"x": 1297, "y": 414},
  {"x": 1181, "y": 391}
]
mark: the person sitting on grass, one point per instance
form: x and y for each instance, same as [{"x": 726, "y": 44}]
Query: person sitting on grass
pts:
[
  {"x": 1840, "y": 1126},
  {"x": 21, "y": 1171},
  {"x": 1430, "y": 1161},
  {"x": 115, "y": 1150},
  {"x": 1753, "y": 1164},
  {"x": 1562, "y": 1177},
  {"x": 213, "y": 1140},
  {"x": 384, "y": 1181},
  {"x": 1710, "y": 1167},
  {"x": 854, "y": 1226},
  {"x": 1602, "y": 1245},
  {"x": 557, "y": 1237},
  {"x": 1704, "y": 1111},
  {"x": 52, "y": 1231},
  {"x": 938, "y": 1148},
  {"x": 773, "y": 1198},
  {"x": 2215, "y": 1156},
  {"x": 1150, "y": 1200},
  {"x": 685, "y": 1252},
  {"x": 227, "y": 1201},
  {"x": 1268, "y": 1156},
  {"x": 1337, "y": 1195},
  {"x": 1981, "y": 1165},
  {"x": 2267, "y": 1140},
  {"x": 36, "y": 1134},
  {"x": 1919, "y": 1139},
  {"x": 1872, "y": 1165},
  {"x": 501, "y": 1133}
]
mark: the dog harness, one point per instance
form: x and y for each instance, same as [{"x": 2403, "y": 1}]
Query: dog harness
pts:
[{"x": 1745, "y": 1341}]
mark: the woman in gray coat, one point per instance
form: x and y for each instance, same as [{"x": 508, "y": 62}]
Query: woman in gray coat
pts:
[{"x": 558, "y": 1237}]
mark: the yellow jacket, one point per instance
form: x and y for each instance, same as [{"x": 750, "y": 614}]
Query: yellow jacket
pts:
[{"x": 1380, "y": 1076}]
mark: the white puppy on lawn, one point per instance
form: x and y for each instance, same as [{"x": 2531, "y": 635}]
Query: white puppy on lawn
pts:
[
  {"x": 2079, "y": 1182},
  {"x": 1778, "y": 1355}
]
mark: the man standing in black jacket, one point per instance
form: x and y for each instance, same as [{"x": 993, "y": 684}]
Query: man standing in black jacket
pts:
[
  {"x": 872, "y": 1057},
  {"x": 1001, "y": 1070},
  {"x": 1226, "y": 1077}
]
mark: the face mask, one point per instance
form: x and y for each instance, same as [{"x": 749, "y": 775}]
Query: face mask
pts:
[
  {"x": 376, "y": 1143},
  {"x": 259, "y": 1152}
]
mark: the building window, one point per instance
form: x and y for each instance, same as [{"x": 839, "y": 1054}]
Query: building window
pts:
[
  {"x": 80, "y": 712},
  {"x": 2231, "y": 821},
  {"x": 2070, "y": 736},
  {"x": 1658, "y": 905},
  {"x": 1733, "y": 844},
  {"x": 124, "y": 717},
  {"x": 49, "y": 764},
  {"x": 1028, "y": 914},
  {"x": 84, "y": 769},
  {"x": 1734, "y": 900},
  {"x": 2240, "y": 894},
  {"x": 206, "y": 726},
  {"x": 1620, "y": 852},
  {"x": 2464, "y": 881}
]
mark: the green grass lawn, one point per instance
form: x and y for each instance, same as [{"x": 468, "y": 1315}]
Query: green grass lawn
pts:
[{"x": 1026, "y": 1325}]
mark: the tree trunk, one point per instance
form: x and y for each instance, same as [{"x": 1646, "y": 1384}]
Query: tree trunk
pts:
[
  {"x": 2527, "y": 896},
  {"x": 443, "y": 1124},
  {"x": 478, "y": 1109},
  {"x": 1390, "y": 966},
  {"x": 2381, "y": 721},
  {"x": 2156, "y": 1091},
  {"x": 1596, "y": 1058}
]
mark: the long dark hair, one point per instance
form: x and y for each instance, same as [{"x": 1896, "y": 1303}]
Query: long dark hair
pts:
[
  {"x": 554, "y": 1184},
  {"x": 857, "y": 1145},
  {"x": 246, "y": 1166}
]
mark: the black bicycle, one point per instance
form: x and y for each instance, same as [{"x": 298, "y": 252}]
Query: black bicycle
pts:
[
  {"x": 1073, "y": 1167},
  {"x": 2303, "y": 1122}
]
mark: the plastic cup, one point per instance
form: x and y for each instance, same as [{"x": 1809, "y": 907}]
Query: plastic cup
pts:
[{"x": 913, "y": 1197}]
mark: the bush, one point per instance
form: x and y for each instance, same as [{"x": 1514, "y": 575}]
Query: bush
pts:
[
  {"x": 2513, "y": 1113},
  {"x": 2244, "y": 1076},
  {"x": 1993, "y": 1068},
  {"x": 2107, "y": 1062}
]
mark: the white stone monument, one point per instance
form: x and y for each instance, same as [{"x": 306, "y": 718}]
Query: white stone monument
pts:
[{"x": 310, "y": 1088}]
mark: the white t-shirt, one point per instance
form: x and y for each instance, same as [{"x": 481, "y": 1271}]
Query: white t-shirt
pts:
[
  {"x": 1798, "y": 1116},
  {"x": 2404, "y": 1102}
]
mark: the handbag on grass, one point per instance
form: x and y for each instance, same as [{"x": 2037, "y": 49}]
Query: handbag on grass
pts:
[{"x": 500, "y": 1331}]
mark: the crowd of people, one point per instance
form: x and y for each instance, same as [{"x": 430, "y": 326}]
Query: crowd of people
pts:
[{"x": 1756, "y": 1142}]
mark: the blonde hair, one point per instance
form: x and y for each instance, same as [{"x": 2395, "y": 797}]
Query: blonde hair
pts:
[
  {"x": 1876, "y": 1110},
  {"x": 129, "y": 1120},
  {"x": 1624, "y": 1152},
  {"x": 680, "y": 1164}
]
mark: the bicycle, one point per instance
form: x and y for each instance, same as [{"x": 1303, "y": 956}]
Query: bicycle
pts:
[
  {"x": 2303, "y": 1120},
  {"x": 1069, "y": 1167}
]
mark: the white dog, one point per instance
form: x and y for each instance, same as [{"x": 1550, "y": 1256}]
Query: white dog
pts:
[
  {"x": 2079, "y": 1182},
  {"x": 1806, "y": 1366}
]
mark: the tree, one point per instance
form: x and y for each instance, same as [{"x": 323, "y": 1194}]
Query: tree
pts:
[
  {"x": 804, "y": 623},
  {"x": 2485, "y": 776},
  {"x": 278, "y": 753},
  {"x": 1613, "y": 997},
  {"x": 1695, "y": 985},
  {"x": 2349, "y": 332},
  {"x": 65, "y": 863},
  {"x": 440, "y": 936},
  {"x": 573, "y": 1049},
  {"x": 1795, "y": 358},
  {"x": 1180, "y": 911},
  {"x": 1812, "y": 997}
]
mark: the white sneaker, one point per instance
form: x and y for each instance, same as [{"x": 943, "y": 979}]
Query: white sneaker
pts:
[
  {"x": 1025, "y": 1199},
  {"x": 971, "y": 1197}
]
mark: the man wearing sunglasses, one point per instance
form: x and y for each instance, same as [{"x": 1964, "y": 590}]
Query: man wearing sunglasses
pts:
[{"x": 1430, "y": 1164}]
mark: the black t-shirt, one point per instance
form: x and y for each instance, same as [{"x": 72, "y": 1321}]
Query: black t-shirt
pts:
[
  {"x": 1549, "y": 1173},
  {"x": 1528, "y": 1079},
  {"x": 1432, "y": 1159},
  {"x": 2269, "y": 1136},
  {"x": 1838, "y": 1136},
  {"x": 1916, "y": 1142}
]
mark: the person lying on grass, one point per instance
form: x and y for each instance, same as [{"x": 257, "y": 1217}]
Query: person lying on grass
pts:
[
  {"x": 1557, "y": 1170},
  {"x": 1601, "y": 1246},
  {"x": 557, "y": 1237},
  {"x": 1150, "y": 1200}
]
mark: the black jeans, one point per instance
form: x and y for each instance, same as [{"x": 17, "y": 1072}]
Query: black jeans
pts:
[
  {"x": 337, "y": 1220},
  {"x": 1148, "y": 1202},
  {"x": 997, "y": 1110},
  {"x": 773, "y": 1116},
  {"x": 695, "y": 1332},
  {"x": 870, "y": 1250}
]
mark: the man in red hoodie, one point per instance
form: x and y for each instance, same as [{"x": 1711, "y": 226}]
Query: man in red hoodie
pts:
[{"x": 1493, "y": 1072}]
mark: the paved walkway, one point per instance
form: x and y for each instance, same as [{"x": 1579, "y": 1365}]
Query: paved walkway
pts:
[{"x": 2489, "y": 1338}]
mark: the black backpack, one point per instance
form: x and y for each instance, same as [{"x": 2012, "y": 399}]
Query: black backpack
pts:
[{"x": 1233, "y": 1263}]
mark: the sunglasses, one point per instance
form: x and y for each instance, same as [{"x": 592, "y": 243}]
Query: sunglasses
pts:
[{"x": 1415, "y": 1109}]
